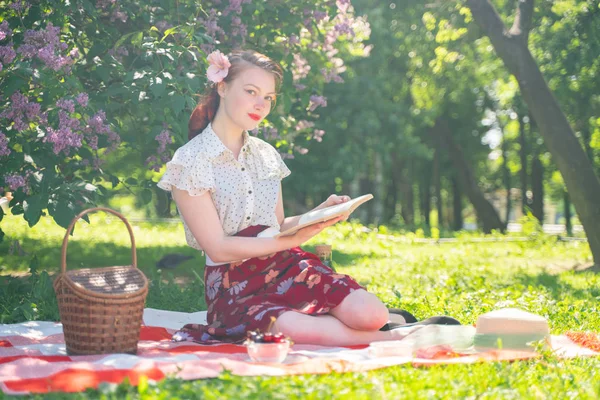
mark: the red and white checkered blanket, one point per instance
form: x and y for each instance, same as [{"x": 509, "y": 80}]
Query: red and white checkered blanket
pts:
[{"x": 33, "y": 358}]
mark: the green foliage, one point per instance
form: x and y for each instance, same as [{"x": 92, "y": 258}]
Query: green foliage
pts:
[{"x": 86, "y": 80}]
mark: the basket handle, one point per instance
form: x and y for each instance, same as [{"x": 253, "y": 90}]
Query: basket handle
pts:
[{"x": 63, "y": 262}]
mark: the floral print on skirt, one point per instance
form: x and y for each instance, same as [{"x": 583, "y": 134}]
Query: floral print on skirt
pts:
[{"x": 243, "y": 296}]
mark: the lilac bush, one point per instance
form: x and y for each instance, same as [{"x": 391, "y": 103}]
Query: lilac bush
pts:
[{"x": 92, "y": 89}]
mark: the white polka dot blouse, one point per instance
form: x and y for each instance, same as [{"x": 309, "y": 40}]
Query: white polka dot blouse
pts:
[{"x": 244, "y": 191}]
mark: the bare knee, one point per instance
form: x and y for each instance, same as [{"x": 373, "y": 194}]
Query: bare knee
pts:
[
  {"x": 363, "y": 311},
  {"x": 300, "y": 327}
]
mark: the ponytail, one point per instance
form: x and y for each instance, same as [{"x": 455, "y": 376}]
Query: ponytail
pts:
[{"x": 204, "y": 112}]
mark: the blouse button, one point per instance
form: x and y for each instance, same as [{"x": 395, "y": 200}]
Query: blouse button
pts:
[
  {"x": 249, "y": 191},
  {"x": 243, "y": 169},
  {"x": 247, "y": 217}
]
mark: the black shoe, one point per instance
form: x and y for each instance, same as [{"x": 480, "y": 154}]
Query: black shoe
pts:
[
  {"x": 406, "y": 316},
  {"x": 437, "y": 320}
]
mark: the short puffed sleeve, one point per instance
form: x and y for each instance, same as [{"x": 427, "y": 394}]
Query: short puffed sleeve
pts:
[
  {"x": 267, "y": 162},
  {"x": 189, "y": 170}
]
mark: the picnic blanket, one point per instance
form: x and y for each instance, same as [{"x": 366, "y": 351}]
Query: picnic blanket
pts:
[{"x": 33, "y": 357}]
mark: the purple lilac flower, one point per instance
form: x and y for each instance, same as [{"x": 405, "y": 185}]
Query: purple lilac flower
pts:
[
  {"x": 118, "y": 15},
  {"x": 21, "y": 112},
  {"x": 343, "y": 5},
  {"x": 96, "y": 125},
  {"x": 294, "y": 39},
  {"x": 318, "y": 135},
  {"x": 105, "y": 3},
  {"x": 45, "y": 44},
  {"x": 300, "y": 67},
  {"x": 237, "y": 28},
  {"x": 15, "y": 181},
  {"x": 63, "y": 139},
  {"x": 68, "y": 105},
  {"x": 207, "y": 48},
  {"x": 4, "y": 150},
  {"x": 316, "y": 101},
  {"x": 304, "y": 124},
  {"x": 331, "y": 76},
  {"x": 301, "y": 150},
  {"x": 7, "y": 54},
  {"x": 4, "y": 30},
  {"x": 163, "y": 138},
  {"x": 20, "y": 5},
  {"x": 82, "y": 99},
  {"x": 319, "y": 16}
]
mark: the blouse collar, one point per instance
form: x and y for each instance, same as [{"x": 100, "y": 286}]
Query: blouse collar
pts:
[{"x": 215, "y": 146}]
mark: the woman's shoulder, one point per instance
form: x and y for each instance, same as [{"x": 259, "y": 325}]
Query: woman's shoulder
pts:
[
  {"x": 267, "y": 159},
  {"x": 263, "y": 147}
]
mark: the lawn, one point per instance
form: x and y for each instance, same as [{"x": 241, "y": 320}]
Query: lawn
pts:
[{"x": 462, "y": 279}]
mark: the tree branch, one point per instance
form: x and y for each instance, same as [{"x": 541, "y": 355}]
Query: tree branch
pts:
[
  {"x": 522, "y": 24},
  {"x": 488, "y": 19}
]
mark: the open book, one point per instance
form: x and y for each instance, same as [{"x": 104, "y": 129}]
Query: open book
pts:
[{"x": 324, "y": 214}]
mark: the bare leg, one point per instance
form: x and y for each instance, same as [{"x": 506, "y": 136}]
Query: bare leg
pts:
[
  {"x": 362, "y": 310},
  {"x": 327, "y": 330}
]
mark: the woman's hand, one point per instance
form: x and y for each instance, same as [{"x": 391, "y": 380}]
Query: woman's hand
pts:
[
  {"x": 310, "y": 231},
  {"x": 333, "y": 200}
]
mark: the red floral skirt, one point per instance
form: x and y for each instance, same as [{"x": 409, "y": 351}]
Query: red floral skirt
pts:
[{"x": 243, "y": 296}]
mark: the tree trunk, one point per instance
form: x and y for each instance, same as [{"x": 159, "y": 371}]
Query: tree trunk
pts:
[
  {"x": 437, "y": 186},
  {"x": 425, "y": 195},
  {"x": 407, "y": 196},
  {"x": 486, "y": 213},
  {"x": 391, "y": 195},
  {"x": 506, "y": 176},
  {"x": 457, "y": 222},
  {"x": 567, "y": 211},
  {"x": 537, "y": 187},
  {"x": 586, "y": 135},
  {"x": 378, "y": 190},
  {"x": 523, "y": 157},
  {"x": 578, "y": 172},
  {"x": 355, "y": 191},
  {"x": 162, "y": 206}
]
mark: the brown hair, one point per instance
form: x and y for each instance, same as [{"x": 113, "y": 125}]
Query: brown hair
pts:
[{"x": 206, "y": 109}]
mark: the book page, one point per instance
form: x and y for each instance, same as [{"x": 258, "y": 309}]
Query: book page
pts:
[
  {"x": 324, "y": 214},
  {"x": 329, "y": 212}
]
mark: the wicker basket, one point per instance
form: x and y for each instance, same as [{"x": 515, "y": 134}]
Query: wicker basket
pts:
[{"x": 101, "y": 309}]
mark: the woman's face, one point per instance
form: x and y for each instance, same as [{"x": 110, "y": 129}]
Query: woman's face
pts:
[{"x": 248, "y": 98}]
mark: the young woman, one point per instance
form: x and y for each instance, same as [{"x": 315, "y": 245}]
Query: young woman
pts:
[{"x": 227, "y": 187}]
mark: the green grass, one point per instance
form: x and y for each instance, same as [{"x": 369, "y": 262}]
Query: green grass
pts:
[{"x": 462, "y": 279}]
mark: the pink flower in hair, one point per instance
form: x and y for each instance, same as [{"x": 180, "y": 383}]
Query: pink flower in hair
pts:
[{"x": 218, "y": 66}]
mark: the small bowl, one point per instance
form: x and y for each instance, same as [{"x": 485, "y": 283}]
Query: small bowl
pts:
[{"x": 268, "y": 352}]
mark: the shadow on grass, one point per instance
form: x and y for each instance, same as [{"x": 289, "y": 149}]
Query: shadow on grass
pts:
[{"x": 557, "y": 287}]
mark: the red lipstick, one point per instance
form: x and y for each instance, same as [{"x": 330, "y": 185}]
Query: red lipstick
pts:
[{"x": 255, "y": 117}]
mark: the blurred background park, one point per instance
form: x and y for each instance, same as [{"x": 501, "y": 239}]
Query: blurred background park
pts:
[{"x": 435, "y": 107}]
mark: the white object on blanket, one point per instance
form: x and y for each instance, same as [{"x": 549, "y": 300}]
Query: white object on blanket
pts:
[
  {"x": 172, "y": 319},
  {"x": 512, "y": 321}
]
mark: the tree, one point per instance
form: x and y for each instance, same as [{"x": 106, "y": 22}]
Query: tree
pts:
[{"x": 511, "y": 46}]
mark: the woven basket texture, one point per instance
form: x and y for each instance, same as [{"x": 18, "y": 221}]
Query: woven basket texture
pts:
[{"x": 101, "y": 309}]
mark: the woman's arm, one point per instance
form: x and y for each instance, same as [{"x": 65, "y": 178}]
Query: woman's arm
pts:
[{"x": 201, "y": 217}]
